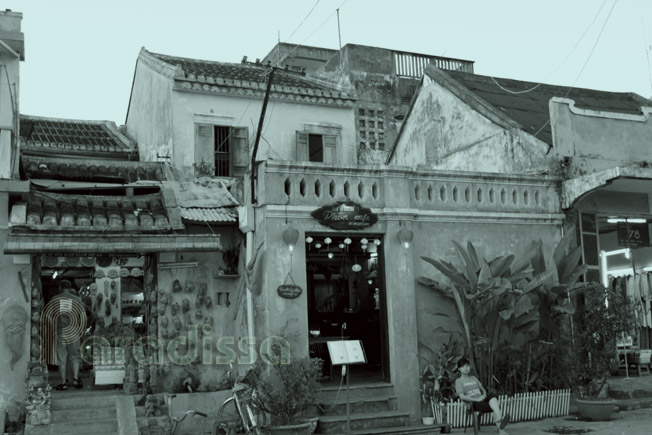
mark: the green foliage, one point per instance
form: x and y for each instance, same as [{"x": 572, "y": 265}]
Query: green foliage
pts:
[
  {"x": 439, "y": 369},
  {"x": 507, "y": 304},
  {"x": 602, "y": 315},
  {"x": 287, "y": 391}
]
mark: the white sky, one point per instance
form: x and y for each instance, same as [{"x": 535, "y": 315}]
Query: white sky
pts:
[{"x": 80, "y": 54}]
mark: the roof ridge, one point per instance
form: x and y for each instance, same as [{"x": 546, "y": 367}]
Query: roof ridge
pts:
[{"x": 76, "y": 121}]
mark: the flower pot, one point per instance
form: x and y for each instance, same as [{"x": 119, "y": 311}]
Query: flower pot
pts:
[
  {"x": 305, "y": 428},
  {"x": 596, "y": 409},
  {"x": 428, "y": 420}
]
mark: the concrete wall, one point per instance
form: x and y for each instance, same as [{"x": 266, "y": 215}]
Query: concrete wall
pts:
[
  {"x": 443, "y": 132},
  {"x": 12, "y": 380},
  {"x": 10, "y": 34},
  {"x": 282, "y": 121},
  {"x": 596, "y": 140},
  {"x": 149, "y": 120}
]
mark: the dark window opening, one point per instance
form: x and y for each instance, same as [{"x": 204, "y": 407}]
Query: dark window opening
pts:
[{"x": 315, "y": 148}]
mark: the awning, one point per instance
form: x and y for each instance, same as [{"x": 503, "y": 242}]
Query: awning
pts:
[
  {"x": 574, "y": 188},
  {"x": 110, "y": 244}
]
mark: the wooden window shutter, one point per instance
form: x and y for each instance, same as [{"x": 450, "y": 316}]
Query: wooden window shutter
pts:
[
  {"x": 302, "y": 147},
  {"x": 204, "y": 144},
  {"x": 240, "y": 147},
  {"x": 330, "y": 148}
]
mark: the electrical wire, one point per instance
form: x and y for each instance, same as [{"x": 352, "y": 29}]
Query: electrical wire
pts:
[
  {"x": 301, "y": 23},
  {"x": 318, "y": 27},
  {"x": 595, "y": 17}
]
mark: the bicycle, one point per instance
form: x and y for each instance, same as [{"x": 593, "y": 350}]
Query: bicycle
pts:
[
  {"x": 244, "y": 416},
  {"x": 175, "y": 421}
]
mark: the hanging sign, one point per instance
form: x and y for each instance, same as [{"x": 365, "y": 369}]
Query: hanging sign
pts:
[
  {"x": 289, "y": 289},
  {"x": 345, "y": 215},
  {"x": 633, "y": 235}
]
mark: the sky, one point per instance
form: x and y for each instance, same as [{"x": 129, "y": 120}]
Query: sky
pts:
[{"x": 80, "y": 54}]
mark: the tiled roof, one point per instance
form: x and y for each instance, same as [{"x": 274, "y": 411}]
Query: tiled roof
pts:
[
  {"x": 530, "y": 109},
  {"x": 48, "y": 136},
  {"x": 250, "y": 79},
  {"x": 54, "y": 212},
  {"x": 209, "y": 215},
  {"x": 91, "y": 170}
]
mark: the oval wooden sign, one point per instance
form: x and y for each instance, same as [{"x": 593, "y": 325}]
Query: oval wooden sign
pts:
[{"x": 289, "y": 291}]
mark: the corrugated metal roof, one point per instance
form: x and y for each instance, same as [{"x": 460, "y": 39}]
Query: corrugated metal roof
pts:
[
  {"x": 210, "y": 215},
  {"x": 530, "y": 109}
]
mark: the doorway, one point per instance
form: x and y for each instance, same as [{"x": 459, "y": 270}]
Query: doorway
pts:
[{"x": 346, "y": 300}]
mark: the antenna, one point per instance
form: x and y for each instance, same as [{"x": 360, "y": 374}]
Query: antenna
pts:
[{"x": 339, "y": 35}]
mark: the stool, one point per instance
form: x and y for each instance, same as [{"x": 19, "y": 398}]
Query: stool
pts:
[
  {"x": 474, "y": 416},
  {"x": 640, "y": 368}
]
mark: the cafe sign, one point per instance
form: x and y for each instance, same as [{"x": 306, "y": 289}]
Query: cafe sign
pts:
[{"x": 345, "y": 215}]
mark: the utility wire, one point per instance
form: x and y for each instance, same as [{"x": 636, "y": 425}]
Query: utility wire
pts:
[
  {"x": 318, "y": 27},
  {"x": 301, "y": 23},
  {"x": 585, "y": 62},
  {"x": 595, "y": 17}
]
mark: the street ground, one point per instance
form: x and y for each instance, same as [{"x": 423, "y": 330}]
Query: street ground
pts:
[{"x": 638, "y": 422}]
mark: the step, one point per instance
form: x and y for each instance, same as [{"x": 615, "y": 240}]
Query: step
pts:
[
  {"x": 632, "y": 404},
  {"x": 328, "y": 394},
  {"x": 79, "y": 427},
  {"x": 403, "y": 430},
  {"x": 358, "y": 422},
  {"x": 87, "y": 414},
  {"x": 629, "y": 393},
  {"x": 360, "y": 406},
  {"x": 82, "y": 402}
]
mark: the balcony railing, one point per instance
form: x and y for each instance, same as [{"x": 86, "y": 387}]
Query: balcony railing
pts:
[
  {"x": 389, "y": 187},
  {"x": 413, "y": 64}
]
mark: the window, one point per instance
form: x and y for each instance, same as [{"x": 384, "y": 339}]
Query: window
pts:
[
  {"x": 316, "y": 147},
  {"x": 221, "y": 151}
]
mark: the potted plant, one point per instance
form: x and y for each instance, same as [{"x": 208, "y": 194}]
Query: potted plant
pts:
[
  {"x": 601, "y": 316},
  {"x": 289, "y": 392},
  {"x": 437, "y": 377}
]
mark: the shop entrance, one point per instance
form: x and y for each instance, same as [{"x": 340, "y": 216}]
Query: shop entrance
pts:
[
  {"x": 346, "y": 299},
  {"x": 111, "y": 290}
]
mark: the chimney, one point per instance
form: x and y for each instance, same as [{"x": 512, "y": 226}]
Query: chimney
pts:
[{"x": 11, "y": 38}]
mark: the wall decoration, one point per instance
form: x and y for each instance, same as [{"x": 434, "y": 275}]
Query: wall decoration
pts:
[
  {"x": 14, "y": 320},
  {"x": 289, "y": 290}
]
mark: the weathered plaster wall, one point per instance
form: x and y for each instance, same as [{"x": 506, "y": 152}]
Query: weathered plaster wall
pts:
[
  {"x": 9, "y": 88},
  {"x": 12, "y": 380},
  {"x": 443, "y": 132},
  {"x": 595, "y": 140},
  {"x": 282, "y": 120},
  {"x": 149, "y": 121}
]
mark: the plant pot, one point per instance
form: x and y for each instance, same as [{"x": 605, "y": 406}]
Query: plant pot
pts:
[
  {"x": 596, "y": 409},
  {"x": 305, "y": 428},
  {"x": 428, "y": 420},
  {"x": 446, "y": 428}
]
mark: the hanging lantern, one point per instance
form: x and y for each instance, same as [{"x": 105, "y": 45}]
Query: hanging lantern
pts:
[
  {"x": 364, "y": 247},
  {"x": 347, "y": 241},
  {"x": 330, "y": 255},
  {"x": 377, "y": 242},
  {"x": 341, "y": 245},
  {"x": 328, "y": 240},
  {"x": 356, "y": 267},
  {"x": 364, "y": 241},
  {"x": 317, "y": 245},
  {"x": 290, "y": 236},
  {"x": 309, "y": 239},
  {"x": 405, "y": 236}
]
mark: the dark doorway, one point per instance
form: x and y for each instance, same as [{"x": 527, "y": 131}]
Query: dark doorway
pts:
[{"x": 346, "y": 299}]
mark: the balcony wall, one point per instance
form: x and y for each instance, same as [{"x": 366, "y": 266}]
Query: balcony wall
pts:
[{"x": 388, "y": 187}]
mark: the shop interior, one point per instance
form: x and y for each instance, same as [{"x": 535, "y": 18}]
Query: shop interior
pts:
[
  {"x": 618, "y": 252},
  {"x": 111, "y": 289},
  {"x": 346, "y": 300}
]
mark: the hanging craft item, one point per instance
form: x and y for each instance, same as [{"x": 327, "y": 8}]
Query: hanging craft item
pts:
[
  {"x": 120, "y": 260},
  {"x": 124, "y": 272},
  {"x": 176, "y": 286},
  {"x": 50, "y": 261},
  {"x": 113, "y": 273},
  {"x": 88, "y": 261},
  {"x": 99, "y": 273},
  {"x": 72, "y": 261},
  {"x": 104, "y": 261},
  {"x": 289, "y": 290}
]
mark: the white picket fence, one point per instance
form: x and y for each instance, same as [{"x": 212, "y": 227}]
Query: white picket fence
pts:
[{"x": 521, "y": 407}]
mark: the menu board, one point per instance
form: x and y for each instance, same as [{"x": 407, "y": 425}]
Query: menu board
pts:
[{"x": 346, "y": 352}]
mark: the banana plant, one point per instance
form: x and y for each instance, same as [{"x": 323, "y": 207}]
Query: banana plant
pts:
[{"x": 507, "y": 301}]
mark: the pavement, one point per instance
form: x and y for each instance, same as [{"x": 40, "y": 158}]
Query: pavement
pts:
[{"x": 625, "y": 422}]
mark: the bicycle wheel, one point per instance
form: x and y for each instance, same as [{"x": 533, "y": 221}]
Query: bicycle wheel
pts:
[{"x": 228, "y": 420}]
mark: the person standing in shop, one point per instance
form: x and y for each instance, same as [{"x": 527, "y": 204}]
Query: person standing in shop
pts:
[{"x": 70, "y": 310}]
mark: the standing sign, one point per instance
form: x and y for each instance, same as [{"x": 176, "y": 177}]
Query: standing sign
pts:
[
  {"x": 633, "y": 235},
  {"x": 345, "y": 215}
]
